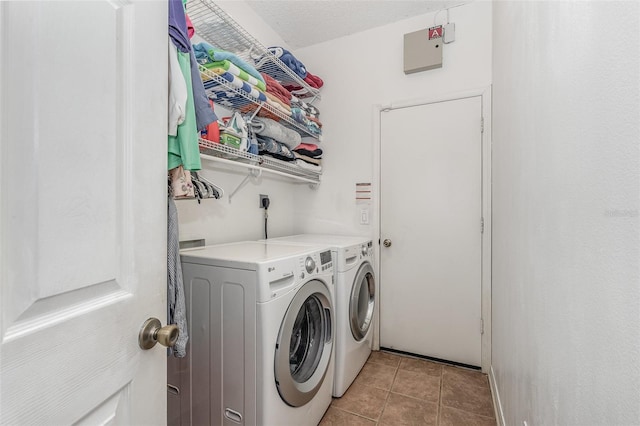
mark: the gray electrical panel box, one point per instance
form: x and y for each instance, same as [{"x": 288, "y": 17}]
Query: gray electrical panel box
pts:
[{"x": 422, "y": 53}]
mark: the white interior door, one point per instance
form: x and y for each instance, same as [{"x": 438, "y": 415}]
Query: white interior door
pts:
[
  {"x": 431, "y": 200},
  {"x": 83, "y": 211}
]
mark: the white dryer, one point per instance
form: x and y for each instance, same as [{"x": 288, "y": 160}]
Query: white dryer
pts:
[
  {"x": 355, "y": 301},
  {"x": 261, "y": 335}
]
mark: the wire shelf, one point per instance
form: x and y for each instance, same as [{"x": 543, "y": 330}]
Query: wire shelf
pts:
[
  {"x": 220, "y": 30},
  {"x": 259, "y": 162}
]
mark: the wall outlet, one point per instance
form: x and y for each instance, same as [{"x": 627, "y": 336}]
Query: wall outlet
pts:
[{"x": 262, "y": 197}]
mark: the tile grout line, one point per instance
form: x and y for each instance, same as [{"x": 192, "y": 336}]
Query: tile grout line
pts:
[
  {"x": 355, "y": 414},
  {"x": 440, "y": 401},
  {"x": 386, "y": 401},
  {"x": 468, "y": 385},
  {"x": 440, "y": 397},
  {"x": 470, "y": 412}
]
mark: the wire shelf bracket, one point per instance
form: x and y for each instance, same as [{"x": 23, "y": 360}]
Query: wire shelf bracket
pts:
[
  {"x": 255, "y": 173},
  {"x": 257, "y": 164}
]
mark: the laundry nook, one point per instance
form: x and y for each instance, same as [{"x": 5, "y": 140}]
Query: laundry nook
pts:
[{"x": 335, "y": 213}]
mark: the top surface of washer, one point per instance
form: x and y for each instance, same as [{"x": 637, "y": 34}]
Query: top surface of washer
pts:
[
  {"x": 338, "y": 241},
  {"x": 256, "y": 252}
]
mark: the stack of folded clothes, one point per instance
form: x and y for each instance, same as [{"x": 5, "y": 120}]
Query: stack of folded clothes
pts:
[
  {"x": 308, "y": 156},
  {"x": 312, "y": 80},
  {"x": 274, "y": 139},
  {"x": 244, "y": 79},
  {"x": 234, "y": 70},
  {"x": 277, "y": 97},
  {"x": 298, "y": 68},
  {"x": 307, "y": 115},
  {"x": 273, "y": 148}
]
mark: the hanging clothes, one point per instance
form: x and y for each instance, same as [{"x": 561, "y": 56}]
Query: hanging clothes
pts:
[
  {"x": 177, "y": 92},
  {"x": 183, "y": 133},
  {"x": 176, "y": 306},
  {"x": 178, "y": 26},
  {"x": 204, "y": 112},
  {"x": 183, "y": 148}
]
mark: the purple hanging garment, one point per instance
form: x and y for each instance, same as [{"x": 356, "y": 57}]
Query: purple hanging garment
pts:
[{"x": 178, "y": 26}]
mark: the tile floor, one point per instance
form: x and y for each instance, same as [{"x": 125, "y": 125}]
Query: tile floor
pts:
[{"x": 399, "y": 390}]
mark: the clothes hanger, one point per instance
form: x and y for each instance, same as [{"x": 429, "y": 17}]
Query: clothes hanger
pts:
[{"x": 216, "y": 187}]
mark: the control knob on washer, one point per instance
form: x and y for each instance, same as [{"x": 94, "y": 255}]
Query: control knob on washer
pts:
[
  {"x": 309, "y": 265},
  {"x": 365, "y": 251}
]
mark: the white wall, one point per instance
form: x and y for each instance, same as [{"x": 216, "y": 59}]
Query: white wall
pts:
[
  {"x": 566, "y": 238},
  {"x": 218, "y": 221},
  {"x": 365, "y": 69}
]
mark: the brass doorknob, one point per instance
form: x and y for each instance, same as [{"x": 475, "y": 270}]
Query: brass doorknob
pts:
[
  {"x": 387, "y": 243},
  {"x": 152, "y": 332}
]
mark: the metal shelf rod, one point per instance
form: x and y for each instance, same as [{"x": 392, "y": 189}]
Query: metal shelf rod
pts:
[{"x": 254, "y": 167}]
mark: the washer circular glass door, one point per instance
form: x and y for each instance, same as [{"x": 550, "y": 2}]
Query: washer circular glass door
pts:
[
  {"x": 304, "y": 345},
  {"x": 362, "y": 301}
]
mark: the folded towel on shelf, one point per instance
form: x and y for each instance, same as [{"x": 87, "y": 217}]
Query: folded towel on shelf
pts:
[
  {"x": 315, "y": 153},
  {"x": 277, "y": 89},
  {"x": 312, "y": 111},
  {"x": 262, "y": 112},
  {"x": 315, "y": 120},
  {"x": 206, "y": 53},
  {"x": 227, "y": 97},
  {"x": 272, "y": 129},
  {"x": 289, "y": 60},
  {"x": 277, "y": 104},
  {"x": 312, "y": 80},
  {"x": 308, "y": 146},
  {"x": 278, "y": 150},
  {"x": 309, "y": 110},
  {"x": 238, "y": 84},
  {"x": 219, "y": 67},
  {"x": 312, "y": 127},
  {"x": 316, "y": 161},
  {"x": 307, "y": 166}
]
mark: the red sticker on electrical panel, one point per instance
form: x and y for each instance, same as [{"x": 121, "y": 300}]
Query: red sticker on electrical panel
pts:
[{"x": 435, "y": 32}]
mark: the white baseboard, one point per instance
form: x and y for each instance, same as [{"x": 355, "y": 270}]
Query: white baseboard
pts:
[{"x": 497, "y": 405}]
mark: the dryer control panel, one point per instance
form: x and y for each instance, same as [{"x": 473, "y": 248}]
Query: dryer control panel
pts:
[{"x": 325, "y": 260}]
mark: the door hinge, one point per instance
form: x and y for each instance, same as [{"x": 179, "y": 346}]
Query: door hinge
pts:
[
  {"x": 481, "y": 326},
  {"x": 481, "y": 124},
  {"x": 482, "y": 225}
]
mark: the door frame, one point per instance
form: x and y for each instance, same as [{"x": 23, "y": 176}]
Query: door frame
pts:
[{"x": 485, "y": 95}]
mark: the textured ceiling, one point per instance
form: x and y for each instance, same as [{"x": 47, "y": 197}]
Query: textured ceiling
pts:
[{"x": 303, "y": 23}]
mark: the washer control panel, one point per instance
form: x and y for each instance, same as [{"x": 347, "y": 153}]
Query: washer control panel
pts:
[
  {"x": 309, "y": 264},
  {"x": 315, "y": 263}
]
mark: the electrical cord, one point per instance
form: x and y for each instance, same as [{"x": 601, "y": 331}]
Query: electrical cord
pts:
[{"x": 265, "y": 205}]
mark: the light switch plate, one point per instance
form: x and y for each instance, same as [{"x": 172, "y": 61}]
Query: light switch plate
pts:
[{"x": 364, "y": 216}]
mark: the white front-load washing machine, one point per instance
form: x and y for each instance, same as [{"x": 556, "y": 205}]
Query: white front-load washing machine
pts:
[
  {"x": 261, "y": 335},
  {"x": 355, "y": 301}
]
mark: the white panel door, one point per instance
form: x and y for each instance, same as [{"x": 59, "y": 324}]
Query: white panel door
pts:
[
  {"x": 83, "y": 211},
  {"x": 430, "y": 195}
]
